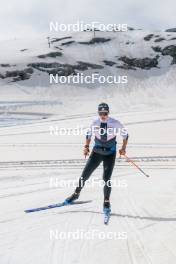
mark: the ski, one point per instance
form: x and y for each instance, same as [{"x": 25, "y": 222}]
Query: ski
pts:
[
  {"x": 51, "y": 206},
  {"x": 107, "y": 214}
]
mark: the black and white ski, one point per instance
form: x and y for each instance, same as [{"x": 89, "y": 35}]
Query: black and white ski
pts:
[{"x": 51, "y": 206}]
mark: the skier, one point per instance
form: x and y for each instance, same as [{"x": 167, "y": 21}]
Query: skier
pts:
[{"x": 105, "y": 130}]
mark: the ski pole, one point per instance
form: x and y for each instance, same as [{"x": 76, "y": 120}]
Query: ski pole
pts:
[{"x": 135, "y": 165}]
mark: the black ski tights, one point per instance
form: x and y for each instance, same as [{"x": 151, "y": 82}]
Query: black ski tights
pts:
[{"x": 93, "y": 162}]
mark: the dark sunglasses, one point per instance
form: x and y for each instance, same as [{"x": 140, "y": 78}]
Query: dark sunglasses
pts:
[{"x": 103, "y": 113}]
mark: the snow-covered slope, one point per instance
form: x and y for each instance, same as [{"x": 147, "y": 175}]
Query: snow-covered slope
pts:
[{"x": 137, "y": 53}]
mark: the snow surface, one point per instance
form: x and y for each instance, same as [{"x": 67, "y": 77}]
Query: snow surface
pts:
[{"x": 31, "y": 157}]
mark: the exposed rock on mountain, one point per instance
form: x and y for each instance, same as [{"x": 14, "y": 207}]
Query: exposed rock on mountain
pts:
[
  {"x": 171, "y": 30},
  {"x": 171, "y": 51},
  {"x": 157, "y": 48},
  {"x": 109, "y": 63},
  {"x": 67, "y": 43},
  {"x": 18, "y": 75},
  {"x": 106, "y": 53},
  {"x": 95, "y": 40},
  {"x": 60, "y": 39},
  {"x": 144, "y": 63},
  {"x": 51, "y": 55},
  {"x": 63, "y": 69},
  {"x": 159, "y": 39},
  {"x": 148, "y": 37},
  {"x": 5, "y": 65},
  {"x": 85, "y": 66}
]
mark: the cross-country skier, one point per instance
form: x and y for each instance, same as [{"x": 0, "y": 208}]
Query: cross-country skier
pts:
[{"x": 105, "y": 130}]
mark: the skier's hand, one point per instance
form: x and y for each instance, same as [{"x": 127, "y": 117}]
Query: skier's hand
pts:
[
  {"x": 122, "y": 151},
  {"x": 86, "y": 150}
]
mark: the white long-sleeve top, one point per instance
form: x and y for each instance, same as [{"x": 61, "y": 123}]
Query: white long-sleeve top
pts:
[{"x": 112, "y": 127}]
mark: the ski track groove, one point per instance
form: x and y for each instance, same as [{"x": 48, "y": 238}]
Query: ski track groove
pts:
[
  {"x": 169, "y": 249},
  {"x": 66, "y": 242},
  {"x": 135, "y": 233},
  {"x": 24, "y": 193},
  {"x": 66, "y": 163},
  {"x": 129, "y": 253},
  {"x": 85, "y": 242}
]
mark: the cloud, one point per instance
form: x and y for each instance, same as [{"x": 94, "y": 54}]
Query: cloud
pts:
[{"x": 21, "y": 18}]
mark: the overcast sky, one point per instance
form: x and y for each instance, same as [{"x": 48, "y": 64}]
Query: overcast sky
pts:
[{"x": 19, "y": 18}]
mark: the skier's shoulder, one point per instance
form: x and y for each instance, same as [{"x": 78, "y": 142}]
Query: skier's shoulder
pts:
[
  {"x": 114, "y": 121},
  {"x": 95, "y": 121}
]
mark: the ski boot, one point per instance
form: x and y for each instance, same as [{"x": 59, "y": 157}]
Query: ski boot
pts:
[
  {"x": 72, "y": 198},
  {"x": 107, "y": 205},
  {"x": 106, "y": 211}
]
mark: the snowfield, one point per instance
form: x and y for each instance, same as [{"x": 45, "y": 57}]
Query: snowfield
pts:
[{"x": 143, "y": 209}]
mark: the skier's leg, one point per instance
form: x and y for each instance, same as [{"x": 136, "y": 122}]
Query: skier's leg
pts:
[
  {"x": 108, "y": 166},
  {"x": 92, "y": 163}
]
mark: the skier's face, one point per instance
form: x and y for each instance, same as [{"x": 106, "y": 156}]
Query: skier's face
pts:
[{"x": 103, "y": 116}]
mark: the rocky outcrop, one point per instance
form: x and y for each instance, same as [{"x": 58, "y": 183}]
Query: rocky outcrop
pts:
[
  {"x": 60, "y": 39},
  {"x": 53, "y": 68},
  {"x": 157, "y": 48},
  {"x": 5, "y": 65},
  {"x": 131, "y": 28},
  {"x": 18, "y": 75},
  {"x": 129, "y": 42},
  {"x": 109, "y": 63},
  {"x": 67, "y": 43},
  {"x": 159, "y": 39},
  {"x": 63, "y": 69},
  {"x": 167, "y": 51},
  {"x": 148, "y": 37},
  {"x": 126, "y": 67},
  {"x": 95, "y": 40},
  {"x": 53, "y": 54},
  {"x": 2, "y": 76},
  {"x": 171, "y": 30},
  {"x": 144, "y": 63},
  {"x": 171, "y": 51},
  {"x": 59, "y": 48},
  {"x": 86, "y": 65}
]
